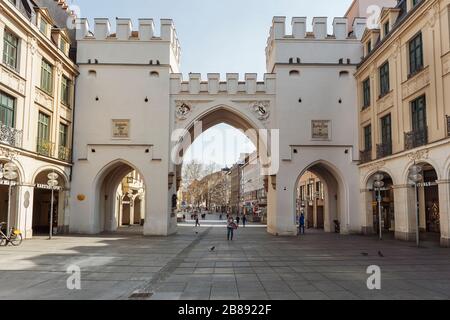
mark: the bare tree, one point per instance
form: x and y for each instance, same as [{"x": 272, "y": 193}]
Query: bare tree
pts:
[{"x": 192, "y": 171}]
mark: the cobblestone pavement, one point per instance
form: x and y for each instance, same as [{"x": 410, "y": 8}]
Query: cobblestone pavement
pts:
[{"x": 254, "y": 266}]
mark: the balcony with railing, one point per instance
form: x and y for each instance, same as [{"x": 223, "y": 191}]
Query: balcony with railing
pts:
[
  {"x": 365, "y": 156},
  {"x": 64, "y": 154},
  {"x": 384, "y": 150},
  {"x": 10, "y": 136},
  {"x": 416, "y": 138},
  {"x": 45, "y": 148}
]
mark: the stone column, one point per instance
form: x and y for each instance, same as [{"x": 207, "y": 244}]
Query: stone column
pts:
[
  {"x": 444, "y": 211},
  {"x": 405, "y": 211},
  {"x": 367, "y": 209},
  {"x": 25, "y": 196},
  {"x": 131, "y": 211}
]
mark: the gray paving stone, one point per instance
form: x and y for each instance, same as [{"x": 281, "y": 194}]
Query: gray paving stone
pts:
[{"x": 256, "y": 266}]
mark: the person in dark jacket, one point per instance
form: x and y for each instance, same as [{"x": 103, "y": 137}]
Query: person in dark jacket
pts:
[{"x": 301, "y": 224}]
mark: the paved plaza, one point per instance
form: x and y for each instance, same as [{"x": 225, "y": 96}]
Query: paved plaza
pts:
[{"x": 255, "y": 266}]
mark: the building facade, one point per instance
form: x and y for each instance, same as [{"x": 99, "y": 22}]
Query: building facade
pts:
[
  {"x": 253, "y": 192},
  {"x": 404, "y": 108},
  {"x": 37, "y": 79}
]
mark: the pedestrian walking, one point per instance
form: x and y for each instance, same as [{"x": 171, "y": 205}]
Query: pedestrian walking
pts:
[
  {"x": 231, "y": 226},
  {"x": 197, "y": 223},
  {"x": 238, "y": 219},
  {"x": 244, "y": 220},
  {"x": 301, "y": 224},
  {"x": 220, "y": 217}
]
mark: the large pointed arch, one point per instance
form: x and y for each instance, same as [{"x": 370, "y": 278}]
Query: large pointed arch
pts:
[{"x": 106, "y": 184}]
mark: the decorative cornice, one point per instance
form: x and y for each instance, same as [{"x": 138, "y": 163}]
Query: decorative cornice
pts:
[{"x": 419, "y": 155}]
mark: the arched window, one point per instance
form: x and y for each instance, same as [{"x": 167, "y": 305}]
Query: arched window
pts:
[
  {"x": 92, "y": 74},
  {"x": 294, "y": 73},
  {"x": 154, "y": 74},
  {"x": 343, "y": 73}
]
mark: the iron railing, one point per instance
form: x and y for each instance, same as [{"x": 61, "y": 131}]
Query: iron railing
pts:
[
  {"x": 384, "y": 150},
  {"x": 64, "y": 154},
  {"x": 45, "y": 148},
  {"x": 366, "y": 156},
  {"x": 416, "y": 138},
  {"x": 11, "y": 136}
]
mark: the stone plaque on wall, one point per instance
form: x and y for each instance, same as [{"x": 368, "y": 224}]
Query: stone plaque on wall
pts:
[
  {"x": 121, "y": 129},
  {"x": 321, "y": 129}
]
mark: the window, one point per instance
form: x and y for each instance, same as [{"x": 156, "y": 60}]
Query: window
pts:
[
  {"x": 366, "y": 93},
  {"x": 369, "y": 47},
  {"x": 7, "y": 109},
  {"x": 63, "y": 135},
  {"x": 62, "y": 45},
  {"x": 10, "y": 50},
  {"x": 386, "y": 28},
  {"x": 386, "y": 135},
  {"x": 368, "y": 138},
  {"x": 415, "y": 54},
  {"x": 43, "y": 26},
  {"x": 294, "y": 73},
  {"x": 415, "y": 2},
  {"x": 43, "y": 127},
  {"x": 46, "y": 77},
  {"x": 419, "y": 114},
  {"x": 66, "y": 85},
  {"x": 384, "y": 79}
]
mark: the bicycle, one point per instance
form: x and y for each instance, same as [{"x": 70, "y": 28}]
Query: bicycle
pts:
[{"x": 15, "y": 237}]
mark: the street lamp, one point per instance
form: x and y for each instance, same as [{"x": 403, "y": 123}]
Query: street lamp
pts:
[
  {"x": 8, "y": 171},
  {"x": 415, "y": 175},
  {"x": 52, "y": 183},
  {"x": 378, "y": 184}
]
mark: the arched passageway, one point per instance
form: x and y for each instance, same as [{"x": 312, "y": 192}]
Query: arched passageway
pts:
[
  {"x": 117, "y": 188},
  {"x": 428, "y": 202},
  {"x": 386, "y": 202},
  {"x": 225, "y": 189},
  {"x": 42, "y": 203},
  {"x": 320, "y": 196}
]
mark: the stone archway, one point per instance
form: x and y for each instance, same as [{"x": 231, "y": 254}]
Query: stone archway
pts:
[
  {"x": 387, "y": 204},
  {"x": 223, "y": 114},
  {"x": 109, "y": 210},
  {"x": 42, "y": 203},
  {"x": 334, "y": 195}
]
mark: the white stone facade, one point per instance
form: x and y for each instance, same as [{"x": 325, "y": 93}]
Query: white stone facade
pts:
[{"x": 132, "y": 78}]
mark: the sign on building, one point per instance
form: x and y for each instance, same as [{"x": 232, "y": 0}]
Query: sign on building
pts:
[
  {"x": 121, "y": 129},
  {"x": 321, "y": 129}
]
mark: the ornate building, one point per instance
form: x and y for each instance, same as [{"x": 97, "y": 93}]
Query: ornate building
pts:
[
  {"x": 404, "y": 108},
  {"x": 37, "y": 79}
]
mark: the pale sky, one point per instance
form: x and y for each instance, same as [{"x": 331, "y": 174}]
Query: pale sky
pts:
[{"x": 216, "y": 36}]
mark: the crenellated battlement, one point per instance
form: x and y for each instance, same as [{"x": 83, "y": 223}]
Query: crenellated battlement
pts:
[
  {"x": 315, "y": 46},
  {"x": 341, "y": 30},
  {"x": 124, "y": 31},
  {"x": 213, "y": 84}
]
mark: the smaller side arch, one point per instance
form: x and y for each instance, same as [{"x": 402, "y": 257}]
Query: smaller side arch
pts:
[{"x": 57, "y": 170}]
